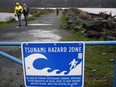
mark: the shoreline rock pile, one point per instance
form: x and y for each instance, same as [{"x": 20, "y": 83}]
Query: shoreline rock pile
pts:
[{"x": 94, "y": 25}]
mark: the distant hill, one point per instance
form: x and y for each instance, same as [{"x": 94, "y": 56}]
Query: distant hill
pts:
[{"x": 58, "y": 3}]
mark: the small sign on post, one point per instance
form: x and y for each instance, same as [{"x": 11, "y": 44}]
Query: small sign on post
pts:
[{"x": 59, "y": 64}]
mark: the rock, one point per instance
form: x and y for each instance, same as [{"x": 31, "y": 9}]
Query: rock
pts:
[
  {"x": 111, "y": 25},
  {"x": 109, "y": 33},
  {"x": 69, "y": 22},
  {"x": 104, "y": 53},
  {"x": 21, "y": 85},
  {"x": 11, "y": 80},
  {"x": 105, "y": 77},
  {"x": 82, "y": 32},
  {"x": 104, "y": 15},
  {"x": 85, "y": 15},
  {"x": 92, "y": 34},
  {"x": 111, "y": 60},
  {"x": 91, "y": 75},
  {"x": 95, "y": 25},
  {"x": 77, "y": 27},
  {"x": 12, "y": 20},
  {"x": 94, "y": 70},
  {"x": 17, "y": 73},
  {"x": 107, "y": 38}
]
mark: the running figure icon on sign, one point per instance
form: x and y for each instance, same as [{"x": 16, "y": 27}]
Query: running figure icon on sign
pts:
[{"x": 73, "y": 64}]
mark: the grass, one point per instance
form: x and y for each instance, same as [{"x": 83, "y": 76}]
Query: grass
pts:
[
  {"x": 99, "y": 69},
  {"x": 99, "y": 60},
  {"x": 31, "y": 18},
  {"x": 4, "y": 24},
  {"x": 63, "y": 22}
]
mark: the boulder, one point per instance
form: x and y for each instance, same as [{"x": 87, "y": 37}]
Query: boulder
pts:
[
  {"x": 97, "y": 25},
  {"x": 93, "y": 34},
  {"x": 85, "y": 15}
]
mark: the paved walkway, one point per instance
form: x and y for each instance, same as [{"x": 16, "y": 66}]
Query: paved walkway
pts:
[{"x": 45, "y": 28}]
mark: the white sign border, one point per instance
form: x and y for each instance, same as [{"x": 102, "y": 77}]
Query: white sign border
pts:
[{"x": 24, "y": 72}]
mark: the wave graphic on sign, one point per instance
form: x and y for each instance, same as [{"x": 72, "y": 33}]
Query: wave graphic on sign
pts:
[{"x": 38, "y": 64}]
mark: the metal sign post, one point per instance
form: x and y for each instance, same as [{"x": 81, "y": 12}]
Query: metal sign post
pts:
[
  {"x": 115, "y": 73},
  {"x": 59, "y": 64}
]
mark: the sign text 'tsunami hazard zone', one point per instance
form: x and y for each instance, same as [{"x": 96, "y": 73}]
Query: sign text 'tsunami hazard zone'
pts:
[{"x": 53, "y": 64}]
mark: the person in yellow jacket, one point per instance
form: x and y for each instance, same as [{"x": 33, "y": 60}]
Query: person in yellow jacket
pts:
[{"x": 18, "y": 13}]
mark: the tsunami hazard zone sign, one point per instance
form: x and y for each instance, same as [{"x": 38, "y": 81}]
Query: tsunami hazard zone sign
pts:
[{"x": 57, "y": 64}]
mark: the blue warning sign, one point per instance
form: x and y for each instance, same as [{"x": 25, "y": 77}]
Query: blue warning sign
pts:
[{"x": 53, "y": 64}]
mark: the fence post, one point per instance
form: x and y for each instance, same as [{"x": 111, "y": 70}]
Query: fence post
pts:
[{"x": 115, "y": 73}]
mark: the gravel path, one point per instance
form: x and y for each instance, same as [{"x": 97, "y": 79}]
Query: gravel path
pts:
[{"x": 45, "y": 28}]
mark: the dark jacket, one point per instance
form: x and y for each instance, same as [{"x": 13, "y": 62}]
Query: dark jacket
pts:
[{"x": 25, "y": 11}]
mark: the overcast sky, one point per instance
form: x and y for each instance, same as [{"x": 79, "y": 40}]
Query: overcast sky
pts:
[{"x": 77, "y": 3}]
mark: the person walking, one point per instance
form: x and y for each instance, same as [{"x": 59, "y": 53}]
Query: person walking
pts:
[
  {"x": 18, "y": 13},
  {"x": 25, "y": 13},
  {"x": 57, "y": 11}
]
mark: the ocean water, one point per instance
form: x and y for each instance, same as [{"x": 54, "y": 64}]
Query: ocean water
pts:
[
  {"x": 4, "y": 17},
  {"x": 97, "y": 10},
  {"x": 93, "y": 10},
  {"x": 7, "y": 16}
]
